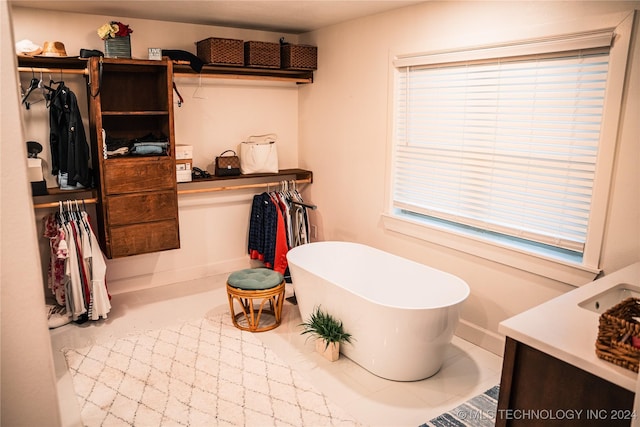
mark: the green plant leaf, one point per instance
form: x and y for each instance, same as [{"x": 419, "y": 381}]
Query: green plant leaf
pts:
[{"x": 324, "y": 326}]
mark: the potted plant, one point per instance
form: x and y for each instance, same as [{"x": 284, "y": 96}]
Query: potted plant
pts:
[{"x": 328, "y": 332}]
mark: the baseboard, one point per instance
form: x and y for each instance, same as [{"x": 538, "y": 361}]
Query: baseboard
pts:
[
  {"x": 152, "y": 280},
  {"x": 481, "y": 337}
]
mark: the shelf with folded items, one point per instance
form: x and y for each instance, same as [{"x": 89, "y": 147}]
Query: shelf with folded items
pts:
[
  {"x": 135, "y": 113},
  {"x": 124, "y": 131}
]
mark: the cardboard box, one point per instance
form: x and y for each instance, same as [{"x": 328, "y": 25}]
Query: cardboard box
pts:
[
  {"x": 34, "y": 171},
  {"x": 184, "y": 152},
  {"x": 183, "y": 175},
  {"x": 183, "y": 164}
]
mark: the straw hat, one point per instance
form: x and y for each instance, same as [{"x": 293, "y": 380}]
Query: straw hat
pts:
[
  {"x": 54, "y": 49},
  {"x": 27, "y": 48}
]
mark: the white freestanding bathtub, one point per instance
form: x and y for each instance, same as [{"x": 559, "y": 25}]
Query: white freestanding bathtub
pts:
[{"x": 401, "y": 314}]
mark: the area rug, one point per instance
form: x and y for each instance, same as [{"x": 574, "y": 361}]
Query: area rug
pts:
[
  {"x": 200, "y": 373},
  {"x": 479, "y": 411}
]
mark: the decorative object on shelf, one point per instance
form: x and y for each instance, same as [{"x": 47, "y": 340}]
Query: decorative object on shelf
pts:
[
  {"x": 328, "y": 332},
  {"x": 117, "y": 39},
  {"x": 616, "y": 329},
  {"x": 259, "y": 154},
  {"x": 155, "y": 53},
  {"x": 261, "y": 54},
  {"x": 227, "y": 165},
  {"x": 298, "y": 57},
  {"x": 28, "y": 48},
  {"x": 34, "y": 169},
  {"x": 54, "y": 49},
  {"x": 221, "y": 51}
]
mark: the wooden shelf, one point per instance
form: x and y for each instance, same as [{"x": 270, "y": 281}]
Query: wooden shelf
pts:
[
  {"x": 300, "y": 174},
  {"x": 135, "y": 113},
  {"x": 55, "y": 195},
  {"x": 213, "y": 183},
  {"x": 53, "y": 63},
  {"x": 244, "y": 73},
  {"x": 180, "y": 69}
]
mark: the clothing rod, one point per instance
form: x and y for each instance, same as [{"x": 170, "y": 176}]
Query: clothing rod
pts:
[
  {"x": 82, "y": 71},
  {"x": 240, "y": 187},
  {"x": 92, "y": 201}
]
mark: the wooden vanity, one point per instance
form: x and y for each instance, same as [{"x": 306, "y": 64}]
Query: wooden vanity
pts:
[{"x": 551, "y": 375}]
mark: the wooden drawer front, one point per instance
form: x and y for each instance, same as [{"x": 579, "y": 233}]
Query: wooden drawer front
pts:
[
  {"x": 139, "y": 175},
  {"x": 141, "y": 207},
  {"x": 144, "y": 238}
]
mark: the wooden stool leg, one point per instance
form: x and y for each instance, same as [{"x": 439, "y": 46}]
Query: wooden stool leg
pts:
[{"x": 253, "y": 312}]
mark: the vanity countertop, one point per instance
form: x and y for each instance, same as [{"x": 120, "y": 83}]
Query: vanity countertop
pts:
[{"x": 568, "y": 332}]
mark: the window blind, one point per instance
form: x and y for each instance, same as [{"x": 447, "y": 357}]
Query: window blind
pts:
[{"x": 507, "y": 145}]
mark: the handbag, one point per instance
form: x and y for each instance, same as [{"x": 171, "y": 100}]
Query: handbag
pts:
[
  {"x": 259, "y": 154},
  {"x": 227, "y": 165}
]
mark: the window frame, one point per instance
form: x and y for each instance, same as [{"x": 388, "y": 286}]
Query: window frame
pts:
[{"x": 567, "y": 271}]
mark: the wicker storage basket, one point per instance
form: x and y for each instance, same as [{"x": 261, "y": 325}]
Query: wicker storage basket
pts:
[
  {"x": 221, "y": 51},
  {"x": 615, "y": 331},
  {"x": 299, "y": 57},
  {"x": 262, "y": 54}
]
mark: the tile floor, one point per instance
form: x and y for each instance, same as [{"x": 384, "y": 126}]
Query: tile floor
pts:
[{"x": 467, "y": 371}]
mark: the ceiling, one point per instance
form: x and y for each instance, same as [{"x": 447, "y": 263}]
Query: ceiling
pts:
[{"x": 289, "y": 16}]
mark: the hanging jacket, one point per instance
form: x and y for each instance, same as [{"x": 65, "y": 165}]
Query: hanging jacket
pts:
[
  {"x": 69, "y": 148},
  {"x": 262, "y": 229}
]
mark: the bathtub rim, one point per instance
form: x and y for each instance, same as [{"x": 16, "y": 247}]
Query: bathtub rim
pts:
[{"x": 452, "y": 303}]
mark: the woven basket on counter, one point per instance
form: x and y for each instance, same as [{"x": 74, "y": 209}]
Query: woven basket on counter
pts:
[
  {"x": 219, "y": 51},
  {"x": 615, "y": 333},
  {"x": 262, "y": 54}
]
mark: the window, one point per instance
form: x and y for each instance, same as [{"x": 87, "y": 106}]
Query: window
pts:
[{"x": 506, "y": 145}]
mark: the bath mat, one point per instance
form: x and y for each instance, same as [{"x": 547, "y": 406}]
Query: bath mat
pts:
[
  {"x": 479, "y": 411},
  {"x": 199, "y": 373}
]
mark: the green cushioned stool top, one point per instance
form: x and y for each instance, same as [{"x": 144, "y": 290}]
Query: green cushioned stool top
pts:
[{"x": 255, "y": 279}]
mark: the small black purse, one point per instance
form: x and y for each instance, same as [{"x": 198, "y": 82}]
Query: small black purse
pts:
[{"x": 227, "y": 165}]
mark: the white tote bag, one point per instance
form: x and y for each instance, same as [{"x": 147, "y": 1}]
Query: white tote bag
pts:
[{"x": 259, "y": 154}]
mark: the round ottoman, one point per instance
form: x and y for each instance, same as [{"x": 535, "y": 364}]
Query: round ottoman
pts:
[{"x": 259, "y": 291}]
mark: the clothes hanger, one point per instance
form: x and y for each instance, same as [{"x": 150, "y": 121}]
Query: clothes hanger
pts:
[
  {"x": 43, "y": 88},
  {"x": 180, "y": 100},
  {"x": 196, "y": 93},
  {"x": 33, "y": 84}
]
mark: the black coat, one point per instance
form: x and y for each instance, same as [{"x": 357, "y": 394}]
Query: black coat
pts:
[{"x": 69, "y": 147}]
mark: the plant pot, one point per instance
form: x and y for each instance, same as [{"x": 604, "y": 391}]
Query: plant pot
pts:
[
  {"x": 331, "y": 352},
  {"x": 119, "y": 47}
]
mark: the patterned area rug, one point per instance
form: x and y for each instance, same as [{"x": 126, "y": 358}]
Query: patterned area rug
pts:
[
  {"x": 479, "y": 411},
  {"x": 199, "y": 373}
]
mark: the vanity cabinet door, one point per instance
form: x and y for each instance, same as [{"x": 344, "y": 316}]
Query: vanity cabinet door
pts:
[{"x": 537, "y": 389}]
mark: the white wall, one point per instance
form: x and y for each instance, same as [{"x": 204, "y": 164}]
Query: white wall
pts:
[
  {"x": 28, "y": 383},
  {"x": 344, "y": 125}
]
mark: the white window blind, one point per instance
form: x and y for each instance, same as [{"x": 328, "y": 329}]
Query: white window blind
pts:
[{"x": 507, "y": 144}]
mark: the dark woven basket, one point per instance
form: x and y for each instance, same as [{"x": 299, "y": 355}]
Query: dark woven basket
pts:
[
  {"x": 262, "y": 54},
  {"x": 615, "y": 331},
  {"x": 299, "y": 57},
  {"x": 219, "y": 51}
]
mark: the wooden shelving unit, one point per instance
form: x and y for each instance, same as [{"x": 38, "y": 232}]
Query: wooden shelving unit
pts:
[{"x": 133, "y": 115}]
